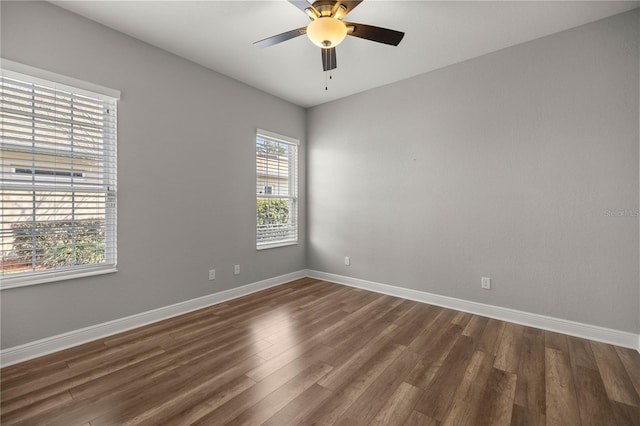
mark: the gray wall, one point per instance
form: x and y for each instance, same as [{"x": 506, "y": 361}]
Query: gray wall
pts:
[
  {"x": 502, "y": 166},
  {"x": 186, "y": 178}
]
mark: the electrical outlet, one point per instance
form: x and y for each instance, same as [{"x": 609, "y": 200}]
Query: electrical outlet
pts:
[
  {"x": 212, "y": 274},
  {"x": 236, "y": 269},
  {"x": 347, "y": 260},
  {"x": 485, "y": 283}
]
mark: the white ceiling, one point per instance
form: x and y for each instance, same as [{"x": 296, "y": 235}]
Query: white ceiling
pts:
[{"x": 219, "y": 36}]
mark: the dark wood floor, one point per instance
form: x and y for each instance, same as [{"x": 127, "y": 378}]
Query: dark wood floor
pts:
[{"x": 312, "y": 352}]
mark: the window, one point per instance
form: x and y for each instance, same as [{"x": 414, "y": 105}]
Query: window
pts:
[
  {"x": 276, "y": 190},
  {"x": 57, "y": 177}
]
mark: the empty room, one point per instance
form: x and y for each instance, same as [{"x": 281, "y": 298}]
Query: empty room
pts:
[{"x": 333, "y": 213}]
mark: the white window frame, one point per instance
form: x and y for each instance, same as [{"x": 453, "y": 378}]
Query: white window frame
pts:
[
  {"x": 15, "y": 70},
  {"x": 293, "y": 190}
]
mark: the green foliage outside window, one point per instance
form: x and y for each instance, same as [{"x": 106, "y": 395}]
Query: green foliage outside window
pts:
[
  {"x": 54, "y": 243},
  {"x": 268, "y": 147},
  {"x": 273, "y": 218},
  {"x": 273, "y": 211}
]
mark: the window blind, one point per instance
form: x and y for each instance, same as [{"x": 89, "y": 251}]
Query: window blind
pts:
[
  {"x": 58, "y": 180},
  {"x": 276, "y": 190}
]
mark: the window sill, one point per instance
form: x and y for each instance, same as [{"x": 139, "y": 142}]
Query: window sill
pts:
[
  {"x": 48, "y": 277},
  {"x": 274, "y": 245}
]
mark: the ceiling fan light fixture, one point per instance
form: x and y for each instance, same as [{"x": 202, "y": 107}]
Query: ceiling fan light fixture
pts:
[
  {"x": 311, "y": 13},
  {"x": 326, "y": 32}
]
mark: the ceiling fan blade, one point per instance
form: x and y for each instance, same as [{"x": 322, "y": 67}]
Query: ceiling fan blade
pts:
[
  {"x": 300, "y": 4},
  {"x": 329, "y": 60},
  {"x": 304, "y": 6},
  {"x": 348, "y": 4},
  {"x": 381, "y": 35},
  {"x": 270, "y": 41}
]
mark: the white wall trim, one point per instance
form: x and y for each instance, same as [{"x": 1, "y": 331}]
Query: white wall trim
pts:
[
  {"x": 17, "y": 69},
  {"x": 586, "y": 331},
  {"x": 59, "y": 342}
]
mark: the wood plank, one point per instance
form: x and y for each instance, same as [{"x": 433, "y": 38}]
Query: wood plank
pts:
[
  {"x": 496, "y": 404},
  {"x": 361, "y": 321},
  {"x": 360, "y": 299},
  {"x": 414, "y": 322},
  {"x": 614, "y": 375},
  {"x": 346, "y": 343},
  {"x": 63, "y": 356},
  {"x": 277, "y": 324},
  {"x": 357, "y": 359},
  {"x": 462, "y": 319},
  {"x": 556, "y": 341},
  {"x": 36, "y": 408},
  {"x": 207, "y": 402},
  {"x": 364, "y": 409},
  {"x": 398, "y": 407},
  {"x": 416, "y": 418},
  {"x": 491, "y": 336},
  {"x": 399, "y": 312},
  {"x": 156, "y": 329},
  {"x": 31, "y": 393},
  {"x": 331, "y": 293},
  {"x": 344, "y": 326},
  {"x": 274, "y": 364},
  {"x": 580, "y": 353},
  {"x": 88, "y": 409},
  {"x": 235, "y": 407},
  {"x": 28, "y": 370},
  {"x": 530, "y": 386},
  {"x": 307, "y": 336},
  {"x": 508, "y": 353},
  {"x": 300, "y": 407},
  {"x": 345, "y": 396},
  {"x": 521, "y": 416},
  {"x": 475, "y": 327},
  {"x": 438, "y": 396},
  {"x": 466, "y": 401},
  {"x": 631, "y": 361},
  {"x": 436, "y": 336},
  {"x": 171, "y": 403},
  {"x": 562, "y": 405},
  {"x": 434, "y": 352},
  {"x": 187, "y": 360},
  {"x": 278, "y": 399},
  {"x": 595, "y": 408},
  {"x": 149, "y": 404},
  {"x": 626, "y": 414}
]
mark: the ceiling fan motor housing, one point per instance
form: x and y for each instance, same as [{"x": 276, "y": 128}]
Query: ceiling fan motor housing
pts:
[{"x": 326, "y": 8}]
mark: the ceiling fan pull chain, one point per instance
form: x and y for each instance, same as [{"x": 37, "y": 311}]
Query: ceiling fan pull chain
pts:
[{"x": 325, "y": 82}]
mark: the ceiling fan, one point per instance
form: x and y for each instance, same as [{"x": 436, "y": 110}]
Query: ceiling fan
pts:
[{"x": 327, "y": 29}]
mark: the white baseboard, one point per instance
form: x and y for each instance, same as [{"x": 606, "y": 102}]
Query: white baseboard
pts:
[
  {"x": 59, "y": 342},
  {"x": 56, "y": 343},
  {"x": 592, "y": 332}
]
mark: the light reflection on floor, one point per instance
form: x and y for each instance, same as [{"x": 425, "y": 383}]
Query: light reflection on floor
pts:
[{"x": 279, "y": 328}]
